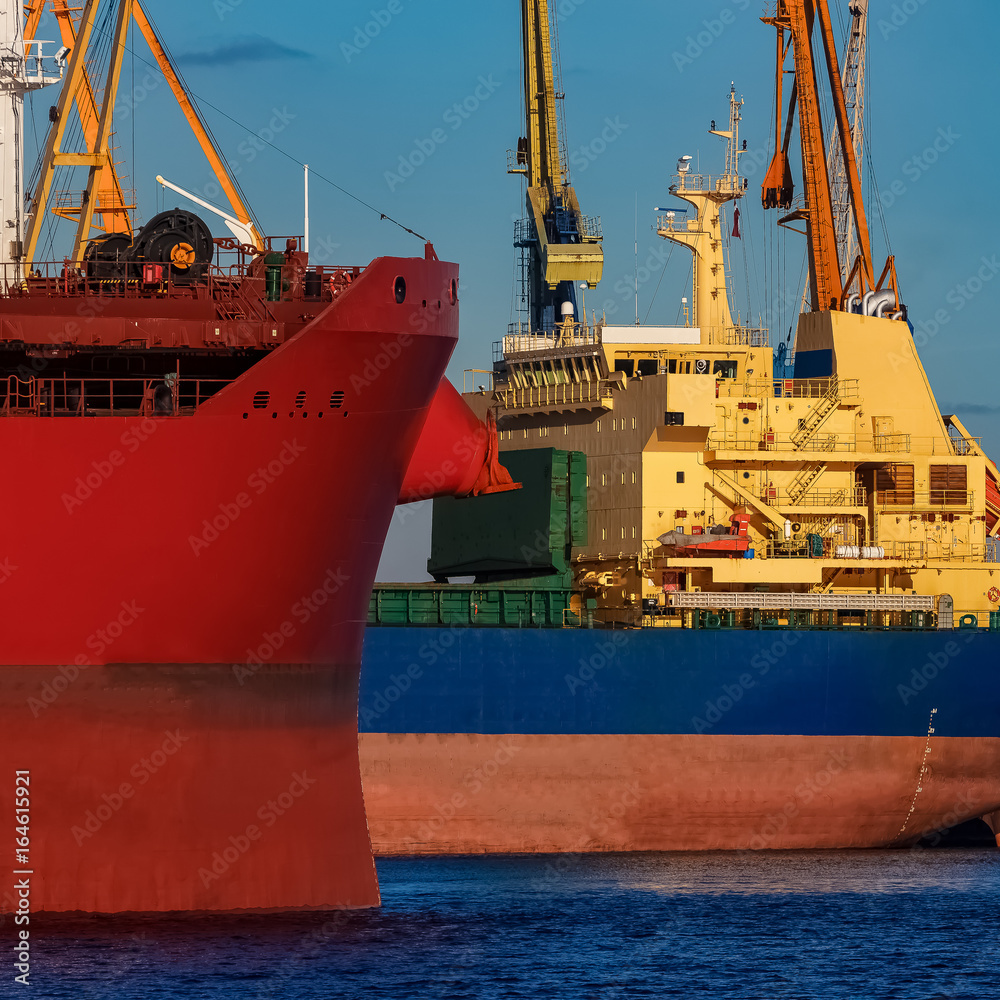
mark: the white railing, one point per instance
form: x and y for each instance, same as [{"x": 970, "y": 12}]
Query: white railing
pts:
[
  {"x": 521, "y": 339},
  {"x": 794, "y": 601}
]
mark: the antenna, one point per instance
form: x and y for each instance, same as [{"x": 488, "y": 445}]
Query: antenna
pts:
[
  {"x": 305, "y": 233},
  {"x": 637, "y": 258}
]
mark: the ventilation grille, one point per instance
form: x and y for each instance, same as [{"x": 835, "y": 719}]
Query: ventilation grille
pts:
[
  {"x": 337, "y": 400},
  {"x": 300, "y": 399},
  {"x": 260, "y": 399}
]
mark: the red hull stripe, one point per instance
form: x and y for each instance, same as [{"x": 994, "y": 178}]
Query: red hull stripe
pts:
[{"x": 467, "y": 793}]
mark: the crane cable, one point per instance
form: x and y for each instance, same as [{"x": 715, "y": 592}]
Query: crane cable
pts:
[{"x": 312, "y": 172}]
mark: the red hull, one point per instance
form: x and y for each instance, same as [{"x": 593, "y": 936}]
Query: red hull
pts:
[
  {"x": 469, "y": 793},
  {"x": 204, "y": 579}
]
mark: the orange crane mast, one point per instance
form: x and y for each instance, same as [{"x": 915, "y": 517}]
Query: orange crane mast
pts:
[
  {"x": 797, "y": 20},
  {"x": 109, "y": 205},
  {"x": 103, "y": 196}
]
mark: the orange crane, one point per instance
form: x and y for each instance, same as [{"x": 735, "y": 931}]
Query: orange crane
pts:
[
  {"x": 795, "y": 22},
  {"x": 109, "y": 202},
  {"x": 103, "y": 196}
]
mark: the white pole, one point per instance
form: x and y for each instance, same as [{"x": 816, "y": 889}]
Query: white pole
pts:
[
  {"x": 305, "y": 238},
  {"x": 637, "y": 258}
]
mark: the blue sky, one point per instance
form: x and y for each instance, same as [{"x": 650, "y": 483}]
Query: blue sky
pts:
[{"x": 352, "y": 87}]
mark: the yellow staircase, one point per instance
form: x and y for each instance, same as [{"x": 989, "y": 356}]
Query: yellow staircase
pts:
[{"x": 818, "y": 415}]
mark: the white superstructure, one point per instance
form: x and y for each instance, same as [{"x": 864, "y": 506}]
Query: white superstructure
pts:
[{"x": 21, "y": 70}]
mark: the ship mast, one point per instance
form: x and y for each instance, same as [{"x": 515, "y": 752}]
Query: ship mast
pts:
[
  {"x": 703, "y": 234},
  {"x": 21, "y": 71},
  {"x": 562, "y": 245}
]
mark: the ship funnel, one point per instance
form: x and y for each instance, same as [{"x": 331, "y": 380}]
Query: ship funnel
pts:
[{"x": 879, "y": 303}]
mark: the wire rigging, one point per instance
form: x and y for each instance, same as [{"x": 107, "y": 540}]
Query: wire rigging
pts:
[
  {"x": 662, "y": 273},
  {"x": 313, "y": 173}
]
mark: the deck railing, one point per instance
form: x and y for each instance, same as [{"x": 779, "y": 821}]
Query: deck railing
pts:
[
  {"x": 63, "y": 396},
  {"x": 521, "y": 339},
  {"x": 558, "y": 394}
]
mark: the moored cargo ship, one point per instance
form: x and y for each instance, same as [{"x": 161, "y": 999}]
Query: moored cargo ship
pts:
[{"x": 740, "y": 603}]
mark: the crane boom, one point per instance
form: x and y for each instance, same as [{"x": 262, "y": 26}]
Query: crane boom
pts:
[
  {"x": 563, "y": 245},
  {"x": 103, "y": 195},
  {"x": 855, "y": 57},
  {"x": 109, "y": 205},
  {"x": 797, "y": 18}
]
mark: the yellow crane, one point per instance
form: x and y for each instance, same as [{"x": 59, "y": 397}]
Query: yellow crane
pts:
[
  {"x": 563, "y": 245},
  {"x": 102, "y": 204}
]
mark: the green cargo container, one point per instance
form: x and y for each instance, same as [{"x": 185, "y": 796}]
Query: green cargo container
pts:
[
  {"x": 443, "y": 604},
  {"x": 525, "y": 535}
]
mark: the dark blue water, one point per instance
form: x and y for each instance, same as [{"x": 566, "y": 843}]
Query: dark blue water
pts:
[{"x": 874, "y": 924}]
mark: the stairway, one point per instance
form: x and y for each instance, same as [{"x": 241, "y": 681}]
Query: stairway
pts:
[
  {"x": 818, "y": 415},
  {"x": 801, "y": 483}
]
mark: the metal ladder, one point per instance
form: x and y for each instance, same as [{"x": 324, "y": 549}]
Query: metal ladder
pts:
[{"x": 818, "y": 415}]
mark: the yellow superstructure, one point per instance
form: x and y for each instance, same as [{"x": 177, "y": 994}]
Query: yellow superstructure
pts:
[{"x": 852, "y": 482}]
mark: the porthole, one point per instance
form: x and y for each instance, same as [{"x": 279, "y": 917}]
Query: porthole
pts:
[
  {"x": 399, "y": 290},
  {"x": 300, "y": 399},
  {"x": 337, "y": 399},
  {"x": 260, "y": 399}
]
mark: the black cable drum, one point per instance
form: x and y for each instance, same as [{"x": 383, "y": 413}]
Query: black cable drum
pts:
[{"x": 180, "y": 241}]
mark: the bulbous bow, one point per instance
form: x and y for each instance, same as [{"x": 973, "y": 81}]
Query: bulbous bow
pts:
[{"x": 457, "y": 454}]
